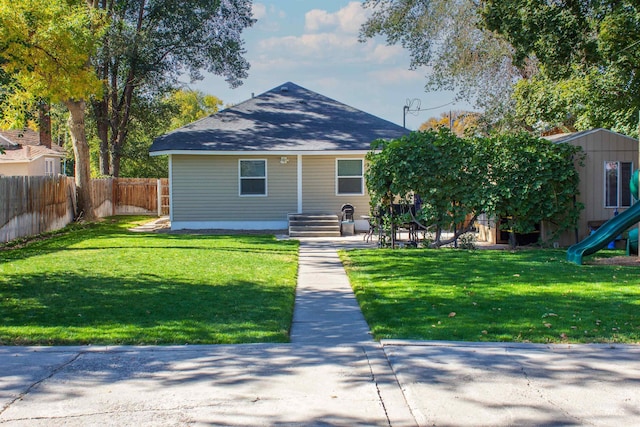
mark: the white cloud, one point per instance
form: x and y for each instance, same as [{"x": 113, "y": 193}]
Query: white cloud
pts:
[
  {"x": 323, "y": 45},
  {"x": 273, "y": 10},
  {"x": 396, "y": 75},
  {"x": 349, "y": 19},
  {"x": 382, "y": 53},
  {"x": 330, "y": 38},
  {"x": 316, "y": 19},
  {"x": 259, "y": 10}
]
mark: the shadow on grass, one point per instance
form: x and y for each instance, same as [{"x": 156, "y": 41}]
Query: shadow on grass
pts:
[
  {"x": 80, "y": 308},
  {"x": 246, "y": 244},
  {"x": 113, "y": 233},
  {"x": 494, "y": 296}
]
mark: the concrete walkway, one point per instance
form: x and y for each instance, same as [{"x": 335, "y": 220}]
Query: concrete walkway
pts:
[
  {"x": 332, "y": 374},
  {"x": 326, "y": 311}
]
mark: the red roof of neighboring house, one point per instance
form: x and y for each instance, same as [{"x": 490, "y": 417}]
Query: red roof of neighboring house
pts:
[{"x": 24, "y": 145}]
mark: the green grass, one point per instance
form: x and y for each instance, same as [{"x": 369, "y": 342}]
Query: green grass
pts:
[
  {"x": 521, "y": 296},
  {"x": 101, "y": 284}
]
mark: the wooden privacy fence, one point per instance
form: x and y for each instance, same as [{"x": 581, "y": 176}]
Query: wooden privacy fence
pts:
[
  {"x": 131, "y": 196},
  {"x": 34, "y": 205},
  {"x": 138, "y": 195}
]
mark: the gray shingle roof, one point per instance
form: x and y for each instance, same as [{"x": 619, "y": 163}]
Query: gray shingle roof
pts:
[{"x": 286, "y": 118}]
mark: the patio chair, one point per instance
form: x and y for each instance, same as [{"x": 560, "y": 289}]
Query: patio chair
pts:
[{"x": 347, "y": 212}]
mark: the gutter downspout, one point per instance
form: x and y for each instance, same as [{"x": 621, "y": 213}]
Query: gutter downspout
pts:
[{"x": 299, "y": 181}]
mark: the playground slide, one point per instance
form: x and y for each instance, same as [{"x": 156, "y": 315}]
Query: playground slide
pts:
[
  {"x": 605, "y": 234},
  {"x": 632, "y": 242}
]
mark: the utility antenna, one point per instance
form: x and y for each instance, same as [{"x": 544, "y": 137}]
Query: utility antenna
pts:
[{"x": 412, "y": 106}]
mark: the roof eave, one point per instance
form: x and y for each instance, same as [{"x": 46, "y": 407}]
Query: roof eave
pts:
[{"x": 259, "y": 153}]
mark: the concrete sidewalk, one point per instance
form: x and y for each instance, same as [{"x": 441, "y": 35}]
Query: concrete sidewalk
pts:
[
  {"x": 332, "y": 374},
  {"x": 241, "y": 385}
]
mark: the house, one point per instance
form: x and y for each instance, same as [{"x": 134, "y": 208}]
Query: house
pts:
[
  {"x": 253, "y": 166},
  {"x": 610, "y": 159},
  {"x": 27, "y": 154}
]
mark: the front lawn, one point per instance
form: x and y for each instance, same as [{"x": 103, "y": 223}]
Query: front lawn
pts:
[
  {"x": 101, "y": 284},
  {"x": 521, "y": 296}
]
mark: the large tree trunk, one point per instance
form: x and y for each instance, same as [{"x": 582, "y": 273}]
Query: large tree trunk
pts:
[
  {"x": 44, "y": 124},
  {"x": 122, "y": 107},
  {"x": 83, "y": 165},
  {"x": 100, "y": 107},
  {"x": 101, "y": 114}
]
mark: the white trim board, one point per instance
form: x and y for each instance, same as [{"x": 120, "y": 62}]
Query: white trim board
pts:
[{"x": 229, "y": 225}]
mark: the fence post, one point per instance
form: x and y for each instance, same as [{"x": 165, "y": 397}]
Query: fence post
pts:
[
  {"x": 159, "y": 190},
  {"x": 114, "y": 196}
]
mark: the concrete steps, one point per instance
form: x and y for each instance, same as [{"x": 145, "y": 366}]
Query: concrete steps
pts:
[{"x": 314, "y": 225}]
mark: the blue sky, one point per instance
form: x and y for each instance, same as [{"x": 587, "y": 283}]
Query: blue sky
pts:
[{"x": 315, "y": 44}]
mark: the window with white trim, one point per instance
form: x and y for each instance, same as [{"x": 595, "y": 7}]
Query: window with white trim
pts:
[
  {"x": 253, "y": 177},
  {"x": 49, "y": 167},
  {"x": 617, "y": 175},
  {"x": 349, "y": 176}
]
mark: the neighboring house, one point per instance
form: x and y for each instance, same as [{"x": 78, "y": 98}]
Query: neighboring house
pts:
[
  {"x": 25, "y": 155},
  {"x": 610, "y": 159},
  {"x": 286, "y": 151}
]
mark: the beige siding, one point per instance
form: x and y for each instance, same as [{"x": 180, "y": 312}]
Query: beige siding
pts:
[
  {"x": 14, "y": 169},
  {"x": 206, "y": 188},
  {"x": 599, "y": 146},
  {"x": 319, "y": 187},
  {"x": 33, "y": 168}
]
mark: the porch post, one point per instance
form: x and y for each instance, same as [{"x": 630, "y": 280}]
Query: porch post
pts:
[
  {"x": 159, "y": 195},
  {"x": 299, "y": 164},
  {"x": 171, "y": 188}
]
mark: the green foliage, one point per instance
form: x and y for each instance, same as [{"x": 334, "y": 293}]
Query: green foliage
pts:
[
  {"x": 513, "y": 296},
  {"x": 46, "y": 51},
  {"x": 581, "y": 56},
  {"x": 551, "y": 32},
  {"x": 155, "y": 116},
  {"x": 448, "y": 38},
  {"x": 579, "y": 102},
  {"x": 518, "y": 176},
  {"x": 436, "y": 165},
  {"x": 192, "y": 105},
  {"x": 587, "y": 54},
  {"x": 150, "y": 118},
  {"x": 530, "y": 180},
  {"x": 148, "y": 49},
  {"x": 467, "y": 241}
]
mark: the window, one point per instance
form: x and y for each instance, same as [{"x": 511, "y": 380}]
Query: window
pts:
[
  {"x": 617, "y": 175},
  {"x": 49, "y": 167},
  {"x": 350, "y": 177},
  {"x": 253, "y": 177}
]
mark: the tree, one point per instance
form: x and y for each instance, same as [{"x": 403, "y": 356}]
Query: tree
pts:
[
  {"x": 154, "y": 116},
  {"x": 530, "y": 180},
  {"x": 542, "y": 49},
  {"x": 588, "y": 55},
  {"x": 450, "y": 39},
  {"x": 192, "y": 105},
  {"x": 437, "y": 166},
  {"x": 524, "y": 179},
  {"x": 150, "y": 118},
  {"x": 45, "y": 48},
  {"x": 150, "y": 45},
  {"x": 461, "y": 123}
]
